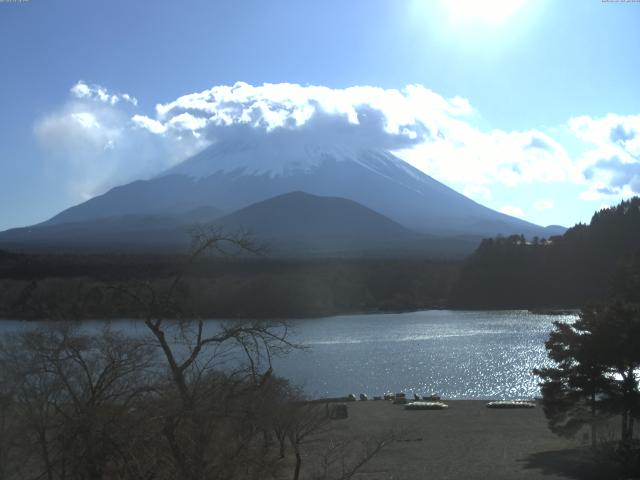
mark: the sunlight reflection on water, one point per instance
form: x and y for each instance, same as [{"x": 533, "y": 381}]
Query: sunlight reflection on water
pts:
[
  {"x": 461, "y": 355},
  {"x": 458, "y": 354}
]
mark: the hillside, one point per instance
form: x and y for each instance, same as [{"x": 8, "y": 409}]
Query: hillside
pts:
[
  {"x": 300, "y": 224},
  {"x": 235, "y": 174},
  {"x": 295, "y": 224},
  {"x": 567, "y": 271}
]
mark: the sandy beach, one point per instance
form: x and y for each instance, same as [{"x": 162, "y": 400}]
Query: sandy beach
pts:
[{"x": 467, "y": 441}]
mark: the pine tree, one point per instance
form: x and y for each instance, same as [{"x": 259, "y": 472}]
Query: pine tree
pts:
[
  {"x": 597, "y": 370},
  {"x": 572, "y": 391}
]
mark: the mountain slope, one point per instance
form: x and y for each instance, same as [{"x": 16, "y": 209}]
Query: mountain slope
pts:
[
  {"x": 301, "y": 214},
  {"x": 294, "y": 224},
  {"x": 137, "y": 233},
  {"x": 230, "y": 176},
  {"x": 298, "y": 223}
]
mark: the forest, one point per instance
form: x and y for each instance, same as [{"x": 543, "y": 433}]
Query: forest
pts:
[
  {"x": 75, "y": 287},
  {"x": 582, "y": 266},
  {"x": 585, "y": 265}
]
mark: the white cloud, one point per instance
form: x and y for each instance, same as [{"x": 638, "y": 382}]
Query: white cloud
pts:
[
  {"x": 92, "y": 138},
  {"x": 478, "y": 192},
  {"x": 431, "y": 132},
  {"x": 186, "y": 121},
  {"x": 469, "y": 155},
  {"x": 154, "y": 126},
  {"x": 611, "y": 163},
  {"x": 511, "y": 210},
  {"x": 79, "y": 131},
  {"x": 96, "y": 92},
  {"x": 370, "y": 115},
  {"x": 543, "y": 204}
]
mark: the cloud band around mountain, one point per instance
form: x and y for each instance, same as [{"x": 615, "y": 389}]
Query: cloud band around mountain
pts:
[{"x": 110, "y": 141}]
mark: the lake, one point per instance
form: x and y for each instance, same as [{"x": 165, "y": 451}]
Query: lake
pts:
[{"x": 457, "y": 354}]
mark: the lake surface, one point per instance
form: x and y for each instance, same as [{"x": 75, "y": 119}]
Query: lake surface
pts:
[{"x": 458, "y": 354}]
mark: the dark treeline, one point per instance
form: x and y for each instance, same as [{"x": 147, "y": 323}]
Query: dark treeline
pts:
[
  {"x": 572, "y": 270},
  {"x": 68, "y": 286},
  {"x": 583, "y": 266}
]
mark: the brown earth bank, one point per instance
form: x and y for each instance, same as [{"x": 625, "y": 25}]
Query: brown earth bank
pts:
[{"x": 465, "y": 441}]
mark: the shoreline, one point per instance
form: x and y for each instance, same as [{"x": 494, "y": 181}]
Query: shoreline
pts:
[
  {"x": 533, "y": 311},
  {"x": 350, "y": 401}
]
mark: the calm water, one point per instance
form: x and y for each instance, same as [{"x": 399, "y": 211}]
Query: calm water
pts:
[{"x": 464, "y": 355}]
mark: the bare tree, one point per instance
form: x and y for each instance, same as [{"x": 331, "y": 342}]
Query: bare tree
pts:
[
  {"x": 9, "y": 431},
  {"x": 213, "y": 371},
  {"x": 191, "y": 399},
  {"x": 72, "y": 392},
  {"x": 305, "y": 420}
]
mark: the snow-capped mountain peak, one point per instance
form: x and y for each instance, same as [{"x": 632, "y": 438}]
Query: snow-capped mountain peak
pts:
[
  {"x": 276, "y": 159},
  {"x": 232, "y": 175}
]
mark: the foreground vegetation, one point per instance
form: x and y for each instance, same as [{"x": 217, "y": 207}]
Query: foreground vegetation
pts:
[
  {"x": 108, "y": 406},
  {"x": 596, "y": 377},
  {"x": 177, "y": 402}
]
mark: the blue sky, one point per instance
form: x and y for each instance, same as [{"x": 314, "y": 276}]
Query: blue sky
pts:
[{"x": 562, "y": 75}]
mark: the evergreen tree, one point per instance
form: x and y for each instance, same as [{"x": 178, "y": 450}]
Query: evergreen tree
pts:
[
  {"x": 597, "y": 370},
  {"x": 572, "y": 391},
  {"x": 563, "y": 271}
]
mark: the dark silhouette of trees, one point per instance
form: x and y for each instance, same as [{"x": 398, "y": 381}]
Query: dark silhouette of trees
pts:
[
  {"x": 564, "y": 271},
  {"x": 67, "y": 393},
  {"x": 75, "y": 287},
  {"x": 572, "y": 391},
  {"x": 186, "y": 400},
  {"x": 626, "y": 280},
  {"x": 597, "y": 373}
]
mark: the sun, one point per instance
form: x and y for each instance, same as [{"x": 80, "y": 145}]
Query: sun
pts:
[{"x": 488, "y": 12}]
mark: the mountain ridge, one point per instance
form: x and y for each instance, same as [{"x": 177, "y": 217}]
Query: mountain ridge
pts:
[
  {"x": 229, "y": 179},
  {"x": 294, "y": 224},
  {"x": 225, "y": 178}
]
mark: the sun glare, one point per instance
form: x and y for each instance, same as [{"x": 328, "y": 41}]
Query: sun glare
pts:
[{"x": 491, "y": 12}]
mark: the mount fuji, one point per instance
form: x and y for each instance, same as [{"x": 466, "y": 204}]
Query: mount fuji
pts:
[{"x": 232, "y": 175}]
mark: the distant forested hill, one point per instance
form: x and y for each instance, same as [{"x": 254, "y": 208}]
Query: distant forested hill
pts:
[
  {"x": 579, "y": 267},
  {"x": 90, "y": 286}
]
